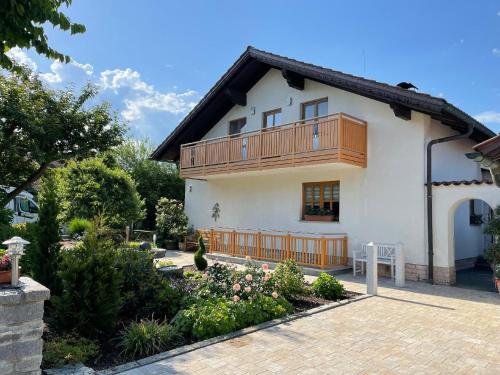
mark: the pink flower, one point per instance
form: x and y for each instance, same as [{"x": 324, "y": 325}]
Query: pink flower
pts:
[
  {"x": 247, "y": 289},
  {"x": 236, "y": 298},
  {"x": 236, "y": 287},
  {"x": 265, "y": 267},
  {"x": 267, "y": 277},
  {"x": 204, "y": 276},
  {"x": 248, "y": 277},
  {"x": 275, "y": 294}
]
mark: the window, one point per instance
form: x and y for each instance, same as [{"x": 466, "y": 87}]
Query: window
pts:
[
  {"x": 25, "y": 205},
  {"x": 475, "y": 217},
  {"x": 236, "y": 126},
  {"x": 271, "y": 118},
  {"x": 314, "y": 108},
  {"x": 321, "y": 199}
]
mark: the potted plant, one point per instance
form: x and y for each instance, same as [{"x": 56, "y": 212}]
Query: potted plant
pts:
[
  {"x": 5, "y": 268},
  {"x": 318, "y": 214},
  {"x": 171, "y": 222}
]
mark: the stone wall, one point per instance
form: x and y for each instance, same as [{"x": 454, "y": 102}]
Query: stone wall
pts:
[{"x": 21, "y": 327}]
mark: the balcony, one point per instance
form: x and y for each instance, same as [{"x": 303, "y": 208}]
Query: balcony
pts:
[
  {"x": 339, "y": 138},
  {"x": 307, "y": 250}
]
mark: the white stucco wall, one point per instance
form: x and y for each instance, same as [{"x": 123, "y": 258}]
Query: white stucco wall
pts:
[
  {"x": 470, "y": 240},
  {"x": 448, "y": 159},
  {"x": 383, "y": 202},
  {"x": 446, "y": 201}
]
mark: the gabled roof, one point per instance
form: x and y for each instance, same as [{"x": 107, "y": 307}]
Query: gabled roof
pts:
[{"x": 253, "y": 64}]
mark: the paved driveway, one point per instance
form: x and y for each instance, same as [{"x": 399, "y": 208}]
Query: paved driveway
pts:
[{"x": 421, "y": 329}]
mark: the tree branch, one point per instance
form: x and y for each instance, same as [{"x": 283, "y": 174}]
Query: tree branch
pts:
[{"x": 35, "y": 176}]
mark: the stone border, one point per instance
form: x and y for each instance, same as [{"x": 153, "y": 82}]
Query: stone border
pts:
[{"x": 215, "y": 340}]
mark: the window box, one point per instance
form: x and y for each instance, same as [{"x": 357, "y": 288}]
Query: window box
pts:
[{"x": 319, "y": 217}]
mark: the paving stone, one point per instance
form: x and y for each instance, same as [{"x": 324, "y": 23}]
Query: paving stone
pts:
[{"x": 420, "y": 329}]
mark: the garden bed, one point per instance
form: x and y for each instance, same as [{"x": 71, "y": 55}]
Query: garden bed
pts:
[{"x": 130, "y": 309}]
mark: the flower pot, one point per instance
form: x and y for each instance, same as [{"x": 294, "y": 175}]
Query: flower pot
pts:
[
  {"x": 182, "y": 246},
  {"x": 318, "y": 217},
  {"x": 171, "y": 245},
  {"x": 5, "y": 277}
]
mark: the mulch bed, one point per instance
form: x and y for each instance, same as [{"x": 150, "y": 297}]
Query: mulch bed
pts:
[{"x": 307, "y": 302}]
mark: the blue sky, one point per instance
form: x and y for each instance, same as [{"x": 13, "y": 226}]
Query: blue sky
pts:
[{"x": 155, "y": 59}]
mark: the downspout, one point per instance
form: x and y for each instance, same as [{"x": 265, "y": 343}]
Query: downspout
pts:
[{"x": 430, "y": 232}]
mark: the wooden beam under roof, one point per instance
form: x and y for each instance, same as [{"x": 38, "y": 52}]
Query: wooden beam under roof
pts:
[{"x": 294, "y": 80}]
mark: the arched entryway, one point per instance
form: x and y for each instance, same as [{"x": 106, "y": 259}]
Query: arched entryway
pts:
[
  {"x": 452, "y": 209},
  {"x": 470, "y": 243}
]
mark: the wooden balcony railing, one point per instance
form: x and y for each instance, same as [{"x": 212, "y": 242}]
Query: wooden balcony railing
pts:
[
  {"x": 333, "y": 138},
  {"x": 323, "y": 252}
]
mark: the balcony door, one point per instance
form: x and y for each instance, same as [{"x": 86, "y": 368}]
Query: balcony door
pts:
[
  {"x": 239, "y": 145},
  {"x": 312, "y": 109}
]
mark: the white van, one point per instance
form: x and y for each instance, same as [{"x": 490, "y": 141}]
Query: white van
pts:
[{"x": 24, "y": 208}]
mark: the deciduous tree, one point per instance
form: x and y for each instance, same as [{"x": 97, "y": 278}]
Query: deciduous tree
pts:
[
  {"x": 39, "y": 126},
  {"x": 154, "y": 179},
  {"x": 22, "y": 26}
]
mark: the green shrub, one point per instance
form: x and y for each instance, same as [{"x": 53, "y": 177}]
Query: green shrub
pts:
[
  {"x": 91, "y": 284},
  {"x": 199, "y": 261},
  {"x": 144, "y": 291},
  {"x": 44, "y": 254},
  {"x": 328, "y": 287},
  {"x": 219, "y": 280},
  {"x": 213, "y": 317},
  {"x": 171, "y": 221},
  {"x": 140, "y": 284},
  {"x": 94, "y": 186},
  {"x": 78, "y": 226},
  {"x": 260, "y": 309},
  {"x": 68, "y": 349},
  {"x": 289, "y": 279},
  {"x": 148, "y": 337}
]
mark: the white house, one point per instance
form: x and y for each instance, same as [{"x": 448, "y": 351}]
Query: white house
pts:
[{"x": 319, "y": 161}]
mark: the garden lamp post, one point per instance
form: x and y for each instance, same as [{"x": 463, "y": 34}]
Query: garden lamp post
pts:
[{"x": 15, "y": 249}]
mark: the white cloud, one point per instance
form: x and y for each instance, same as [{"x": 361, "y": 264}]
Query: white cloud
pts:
[
  {"x": 489, "y": 117},
  {"x": 20, "y": 57},
  {"x": 496, "y": 51},
  {"x": 148, "y": 98},
  {"x": 87, "y": 68},
  {"x": 55, "y": 73},
  {"x": 56, "y": 68},
  {"x": 165, "y": 102},
  {"x": 118, "y": 78}
]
